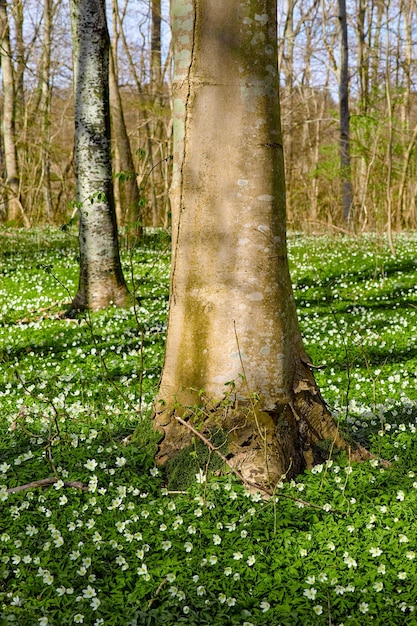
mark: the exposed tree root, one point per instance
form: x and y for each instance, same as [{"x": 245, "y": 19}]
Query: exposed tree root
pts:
[{"x": 264, "y": 447}]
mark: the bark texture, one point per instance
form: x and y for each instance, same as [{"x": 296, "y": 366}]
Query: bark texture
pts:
[
  {"x": 101, "y": 280},
  {"x": 15, "y": 211},
  {"x": 234, "y": 345}
]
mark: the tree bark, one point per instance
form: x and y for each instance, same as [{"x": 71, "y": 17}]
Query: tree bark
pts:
[
  {"x": 45, "y": 107},
  {"x": 345, "y": 172},
  {"x": 101, "y": 281},
  {"x": 129, "y": 194},
  {"x": 234, "y": 345},
  {"x": 15, "y": 211}
]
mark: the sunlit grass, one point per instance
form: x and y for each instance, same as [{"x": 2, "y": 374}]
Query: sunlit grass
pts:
[{"x": 336, "y": 546}]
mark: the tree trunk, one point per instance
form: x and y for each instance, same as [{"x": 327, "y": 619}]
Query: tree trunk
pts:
[
  {"x": 101, "y": 280},
  {"x": 45, "y": 107},
  {"x": 129, "y": 194},
  {"x": 345, "y": 173},
  {"x": 15, "y": 210},
  {"x": 234, "y": 343}
]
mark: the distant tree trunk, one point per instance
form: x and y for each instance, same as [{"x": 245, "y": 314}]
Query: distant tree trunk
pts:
[
  {"x": 234, "y": 346},
  {"x": 129, "y": 212},
  {"x": 156, "y": 72},
  {"x": 345, "y": 171},
  {"x": 45, "y": 107},
  {"x": 15, "y": 211},
  {"x": 20, "y": 65},
  {"x": 101, "y": 280}
]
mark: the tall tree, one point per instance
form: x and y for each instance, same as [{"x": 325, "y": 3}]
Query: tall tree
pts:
[
  {"x": 45, "y": 106},
  {"x": 101, "y": 281},
  {"x": 15, "y": 210},
  {"x": 234, "y": 343},
  {"x": 346, "y": 181}
]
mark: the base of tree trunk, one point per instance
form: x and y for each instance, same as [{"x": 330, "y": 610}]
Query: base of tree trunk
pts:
[
  {"x": 264, "y": 447},
  {"x": 119, "y": 297}
]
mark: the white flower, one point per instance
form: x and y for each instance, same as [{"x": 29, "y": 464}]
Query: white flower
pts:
[
  {"x": 227, "y": 571},
  {"x": 212, "y": 559},
  {"x": 400, "y": 496},
  {"x": 410, "y": 555},
  {"x": 78, "y": 618},
  {"x": 166, "y": 545},
  {"x": 310, "y": 593},
  {"x": 185, "y": 609},
  {"x": 170, "y": 578},
  {"x": 375, "y": 551},
  {"x": 201, "y": 477},
  {"x": 381, "y": 569},
  {"x": 231, "y": 601},
  {"x": 311, "y": 580},
  {"x": 222, "y": 598},
  {"x": 188, "y": 546},
  {"x": 120, "y": 461},
  {"x": 89, "y": 592},
  {"x": 95, "y": 603},
  {"x": 403, "y": 538},
  {"x": 350, "y": 562},
  {"x": 63, "y": 500},
  {"x": 237, "y": 556},
  {"x": 322, "y": 577},
  {"x": 143, "y": 570},
  {"x": 91, "y": 464},
  {"x": 364, "y": 607},
  {"x": 217, "y": 540},
  {"x": 331, "y": 546},
  {"x": 201, "y": 590},
  {"x": 154, "y": 471},
  {"x": 251, "y": 560},
  {"x": 378, "y": 586},
  {"x": 318, "y": 610},
  {"x": 327, "y": 507},
  {"x": 265, "y": 606},
  {"x": 402, "y": 575}
]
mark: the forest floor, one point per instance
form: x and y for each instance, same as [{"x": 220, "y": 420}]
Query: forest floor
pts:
[{"x": 108, "y": 538}]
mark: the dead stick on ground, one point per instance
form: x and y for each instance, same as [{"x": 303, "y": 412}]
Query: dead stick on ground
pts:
[{"x": 45, "y": 482}]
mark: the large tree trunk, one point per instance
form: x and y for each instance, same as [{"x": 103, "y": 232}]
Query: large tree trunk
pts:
[
  {"x": 101, "y": 279},
  {"x": 233, "y": 342}
]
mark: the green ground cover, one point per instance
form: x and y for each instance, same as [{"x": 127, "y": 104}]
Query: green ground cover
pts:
[{"x": 336, "y": 546}]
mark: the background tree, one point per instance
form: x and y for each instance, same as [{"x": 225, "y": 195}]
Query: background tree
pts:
[
  {"x": 234, "y": 344},
  {"x": 15, "y": 211},
  {"x": 345, "y": 174},
  {"x": 101, "y": 280}
]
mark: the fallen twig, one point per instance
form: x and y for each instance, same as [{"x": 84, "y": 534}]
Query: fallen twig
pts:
[{"x": 45, "y": 482}]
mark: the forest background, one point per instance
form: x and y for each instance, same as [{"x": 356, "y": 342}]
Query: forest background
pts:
[{"x": 381, "y": 58}]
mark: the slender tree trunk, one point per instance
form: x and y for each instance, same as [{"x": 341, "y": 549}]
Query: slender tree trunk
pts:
[
  {"x": 45, "y": 107},
  {"x": 15, "y": 210},
  {"x": 234, "y": 343},
  {"x": 128, "y": 190},
  {"x": 346, "y": 182},
  {"x": 101, "y": 279}
]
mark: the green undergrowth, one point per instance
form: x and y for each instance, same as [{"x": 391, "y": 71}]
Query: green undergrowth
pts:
[{"x": 112, "y": 542}]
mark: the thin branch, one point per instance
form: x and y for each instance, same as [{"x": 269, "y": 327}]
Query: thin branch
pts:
[{"x": 45, "y": 482}]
